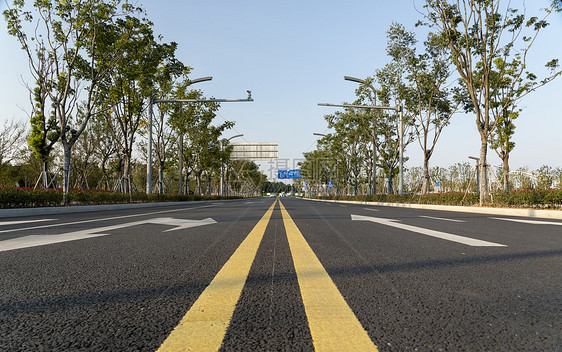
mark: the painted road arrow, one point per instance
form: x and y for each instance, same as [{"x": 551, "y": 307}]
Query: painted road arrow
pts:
[
  {"x": 438, "y": 234},
  {"x": 41, "y": 240}
]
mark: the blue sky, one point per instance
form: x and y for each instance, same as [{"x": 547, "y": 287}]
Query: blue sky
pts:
[{"x": 294, "y": 54}]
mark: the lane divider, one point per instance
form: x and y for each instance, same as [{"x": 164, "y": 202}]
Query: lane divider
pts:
[
  {"x": 203, "y": 327},
  {"x": 333, "y": 325}
]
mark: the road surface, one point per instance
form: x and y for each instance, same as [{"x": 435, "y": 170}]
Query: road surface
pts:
[{"x": 270, "y": 274}]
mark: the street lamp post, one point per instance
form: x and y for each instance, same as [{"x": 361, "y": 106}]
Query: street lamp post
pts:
[
  {"x": 223, "y": 190},
  {"x": 151, "y": 102},
  {"x": 157, "y": 101}
]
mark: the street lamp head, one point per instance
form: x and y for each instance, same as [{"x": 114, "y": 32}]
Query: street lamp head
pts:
[
  {"x": 202, "y": 79},
  {"x": 238, "y": 135},
  {"x": 319, "y": 134},
  {"x": 354, "y": 79}
]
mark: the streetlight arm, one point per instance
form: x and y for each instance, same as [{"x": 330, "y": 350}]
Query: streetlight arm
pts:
[
  {"x": 354, "y": 79},
  {"x": 202, "y": 79},
  {"x": 238, "y": 135},
  {"x": 361, "y": 81},
  {"x": 395, "y": 108}
]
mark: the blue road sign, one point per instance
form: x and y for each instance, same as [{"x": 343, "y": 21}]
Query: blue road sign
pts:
[
  {"x": 294, "y": 174},
  {"x": 284, "y": 174},
  {"x": 330, "y": 184}
]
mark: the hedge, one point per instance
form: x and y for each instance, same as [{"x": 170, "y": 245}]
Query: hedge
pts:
[
  {"x": 521, "y": 198},
  {"x": 28, "y": 198}
]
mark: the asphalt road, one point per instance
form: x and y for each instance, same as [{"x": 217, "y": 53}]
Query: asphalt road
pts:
[{"x": 257, "y": 275}]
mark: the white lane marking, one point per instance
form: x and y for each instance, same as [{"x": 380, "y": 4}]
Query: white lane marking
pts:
[
  {"x": 2, "y": 223},
  {"x": 371, "y": 209},
  {"x": 444, "y": 219},
  {"x": 41, "y": 240},
  {"x": 103, "y": 219},
  {"x": 438, "y": 234},
  {"x": 534, "y": 222}
]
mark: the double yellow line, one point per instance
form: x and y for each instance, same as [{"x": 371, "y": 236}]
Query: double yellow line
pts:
[{"x": 333, "y": 325}]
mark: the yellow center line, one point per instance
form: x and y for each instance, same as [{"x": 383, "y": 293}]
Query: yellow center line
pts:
[
  {"x": 333, "y": 325},
  {"x": 203, "y": 327}
]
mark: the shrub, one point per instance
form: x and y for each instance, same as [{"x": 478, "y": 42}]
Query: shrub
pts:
[
  {"x": 539, "y": 198},
  {"x": 27, "y": 198}
]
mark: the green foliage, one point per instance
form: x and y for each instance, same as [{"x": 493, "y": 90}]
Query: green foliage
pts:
[
  {"x": 489, "y": 43},
  {"x": 245, "y": 176},
  {"x": 453, "y": 198},
  {"x": 26, "y": 198},
  {"x": 423, "y": 86},
  {"x": 202, "y": 148},
  {"x": 45, "y": 131},
  {"x": 541, "y": 198},
  {"x": 278, "y": 187},
  {"x": 524, "y": 198}
]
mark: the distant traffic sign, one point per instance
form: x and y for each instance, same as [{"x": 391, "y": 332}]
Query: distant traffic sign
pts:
[
  {"x": 330, "y": 184},
  {"x": 291, "y": 174}
]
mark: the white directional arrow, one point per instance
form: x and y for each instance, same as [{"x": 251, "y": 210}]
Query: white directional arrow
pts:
[
  {"x": 41, "y": 240},
  {"x": 442, "y": 235}
]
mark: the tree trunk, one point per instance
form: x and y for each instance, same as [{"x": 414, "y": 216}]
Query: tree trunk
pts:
[
  {"x": 46, "y": 180},
  {"x": 389, "y": 190},
  {"x": 484, "y": 195},
  {"x": 185, "y": 184},
  {"x": 198, "y": 177},
  {"x": 67, "y": 147},
  {"x": 127, "y": 174},
  {"x": 161, "y": 177},
  {"x": 505, "y": 160},
  {"x": 425, "y": 182}
]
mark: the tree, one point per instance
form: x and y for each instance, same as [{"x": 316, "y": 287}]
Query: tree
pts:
[
  {"x": 478, "y": 34},
  {"x": 425, "y": 93},
  {"x": 501, "y": 141},
  {"x": 64, "y": 56},
  {"x": 45, "y": 131},
  {"x": 545, "y": 177},
  {"x": 12, "y": 137},
  {"x": 201, "y": 148},
  {"x": 166, "y": 136},
  {"x": 132, "y": 79},
  {"x": 351, "y": 138},
  {"x": 392, "y": 92},
  {"x": 246, "y": 177},
  {"x": 316, "y": 169},
  {"x": 106, "y": 150}
]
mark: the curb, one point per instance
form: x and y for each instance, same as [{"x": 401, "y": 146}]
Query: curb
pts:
[
  {"x": 8, "y": 213},
  {"x": 532, "y": 213}
]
